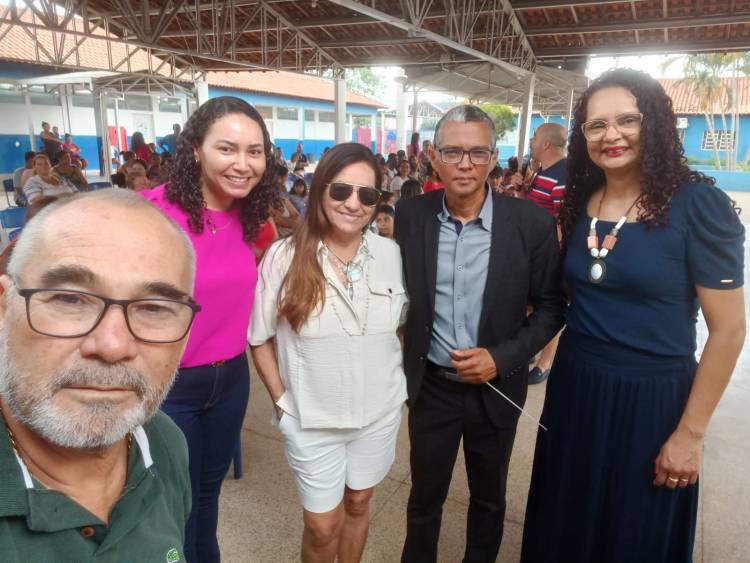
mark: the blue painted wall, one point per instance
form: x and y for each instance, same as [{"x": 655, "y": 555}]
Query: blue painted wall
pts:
[{"x": 311, "y": 146}]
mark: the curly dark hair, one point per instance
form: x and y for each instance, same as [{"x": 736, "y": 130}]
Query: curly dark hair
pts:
[
  {"x": 184, "y": 183},
  {"x": 663, "y": 166}
]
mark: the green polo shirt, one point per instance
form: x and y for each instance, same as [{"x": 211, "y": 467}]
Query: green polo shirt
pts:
[{"x": 147, "y": 524}]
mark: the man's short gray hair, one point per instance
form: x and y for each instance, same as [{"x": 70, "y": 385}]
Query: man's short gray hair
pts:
[
  {"x": 466, "y": 114},
  {"x": 32, "y": 232}
]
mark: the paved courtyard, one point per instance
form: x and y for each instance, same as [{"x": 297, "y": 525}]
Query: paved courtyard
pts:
[{"x": 260, "y": 520}]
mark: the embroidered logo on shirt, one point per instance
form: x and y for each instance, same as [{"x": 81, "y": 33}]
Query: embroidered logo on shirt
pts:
[{"x": 173, "y": 556}]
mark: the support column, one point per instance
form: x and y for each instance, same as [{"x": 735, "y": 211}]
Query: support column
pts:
[
  {"x": 401, "y": 111},
  {"x": 383, "y": 133},
  {"x": 201, "y": 91},
  {"x": 570, "y": 108},
  {"x": 102, "y": 132},
  {"x": 414, "y": 111},
  {"x": 524, "y": 117},
  {"x": 374, "y": 131},
  {"x": 117, "y": 127},
  {"x": 301, "y": 124},
  {"x": 30, "y": 120},
  {"x": 66, "y": 91},
  {"x": 339, "y": 107}
]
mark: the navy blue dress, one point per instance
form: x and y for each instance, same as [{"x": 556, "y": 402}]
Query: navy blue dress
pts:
[{"x": 619, "y": 385}]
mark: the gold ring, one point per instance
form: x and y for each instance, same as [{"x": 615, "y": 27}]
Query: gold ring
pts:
[
  {"x": 683, "y": 480},
  {"x": 673, "y": 479}
]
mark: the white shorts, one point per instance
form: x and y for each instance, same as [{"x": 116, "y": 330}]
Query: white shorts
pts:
[{"x": 325, "y": 460}]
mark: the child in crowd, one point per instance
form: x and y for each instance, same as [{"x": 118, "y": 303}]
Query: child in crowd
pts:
[{"x": 384, "y": 220}]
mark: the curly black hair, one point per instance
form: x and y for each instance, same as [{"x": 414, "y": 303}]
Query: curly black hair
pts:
[
  {"x": 184, "y": 184},
  {"x": 663, "y": 166}
]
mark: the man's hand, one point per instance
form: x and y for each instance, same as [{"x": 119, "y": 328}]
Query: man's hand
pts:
[
  {"x": 517, "y": 180},
  {"x": 474, "y": 365}
]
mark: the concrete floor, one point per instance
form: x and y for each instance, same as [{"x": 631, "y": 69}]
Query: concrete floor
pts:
[{"x": 260, "y": 519}]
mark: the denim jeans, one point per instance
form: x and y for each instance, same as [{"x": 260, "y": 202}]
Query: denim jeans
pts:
[{"x": 208, "y": 404}]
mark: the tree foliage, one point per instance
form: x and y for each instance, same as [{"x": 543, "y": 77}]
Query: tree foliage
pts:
[
  {"x": 502, "y": 115},
  {"x": 364, "y": 81}
]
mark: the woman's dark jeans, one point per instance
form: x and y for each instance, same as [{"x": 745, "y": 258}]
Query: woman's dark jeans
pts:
[{"x": 208, "y": 404}]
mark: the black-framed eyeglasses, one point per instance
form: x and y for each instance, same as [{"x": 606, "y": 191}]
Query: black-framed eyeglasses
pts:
[
  {"x": 627, "y": 124},
  {"x": 454, "y": 155},
  {"x": 341, "y": 191},
  {"x": 66, "y": 313}
]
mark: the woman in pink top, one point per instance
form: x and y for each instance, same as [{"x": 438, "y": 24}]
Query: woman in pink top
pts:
[{"x": 219, "y": 191}]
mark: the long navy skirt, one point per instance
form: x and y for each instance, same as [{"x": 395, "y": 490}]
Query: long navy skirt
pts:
[{"x": 609, "y": 409}]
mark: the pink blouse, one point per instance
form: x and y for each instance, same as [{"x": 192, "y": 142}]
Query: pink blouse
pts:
[{"x": 225, "y": 280}]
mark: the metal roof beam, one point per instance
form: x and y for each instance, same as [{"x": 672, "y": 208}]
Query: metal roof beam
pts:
[
  {"x": 541, "y": 4},
  {"x": 640, "y": 25},
  {"x": 646, "y": 48},
  {"x": 416, "y": 30}
]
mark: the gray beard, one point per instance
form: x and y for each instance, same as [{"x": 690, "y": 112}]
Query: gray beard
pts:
[{"x": 93, "y": 426}]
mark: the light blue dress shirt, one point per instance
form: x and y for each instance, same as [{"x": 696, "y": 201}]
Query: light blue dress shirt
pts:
[{"x": 462, "y": 262}]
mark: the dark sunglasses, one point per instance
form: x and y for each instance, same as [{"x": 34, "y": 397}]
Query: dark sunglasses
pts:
[{"x": 341, "y": 191}]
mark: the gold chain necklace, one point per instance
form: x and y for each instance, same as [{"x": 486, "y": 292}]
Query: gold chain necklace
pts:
[
  {"x": 12, "y": 438},
  {"x": 212, "y": 225}
]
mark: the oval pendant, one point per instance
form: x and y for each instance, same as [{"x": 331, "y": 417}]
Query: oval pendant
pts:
[
  {"x": 597, "y": 271},
  {"x": 354, "y": 272}
]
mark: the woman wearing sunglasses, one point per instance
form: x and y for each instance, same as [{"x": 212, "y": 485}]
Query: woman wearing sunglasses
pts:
[
  {"x": 332, "y": 297},
  {"x": 647, "y": 243}
]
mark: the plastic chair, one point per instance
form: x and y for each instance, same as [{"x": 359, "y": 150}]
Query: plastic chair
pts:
[
  {"x": 14, "y": 234},
  {"x": 9, "y": 189},
  {"x": 12, "y": 217}
]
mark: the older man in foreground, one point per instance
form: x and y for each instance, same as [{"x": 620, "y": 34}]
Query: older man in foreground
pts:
[{"x": 94, "y": 316}]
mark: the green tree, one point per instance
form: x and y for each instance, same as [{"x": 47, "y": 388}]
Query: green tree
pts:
[
  {"x": 364, "y": 81},
  {"x": 502, "y": 116},
  {"x": 703, "y": 74}
]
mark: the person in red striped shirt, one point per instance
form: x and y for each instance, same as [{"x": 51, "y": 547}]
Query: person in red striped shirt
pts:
[
  {"x": 548, "y": 185},
  {"x": 546, "y": 190}
]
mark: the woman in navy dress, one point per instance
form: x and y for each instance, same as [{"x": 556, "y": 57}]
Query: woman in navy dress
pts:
[{"x": 647, "y": 243}]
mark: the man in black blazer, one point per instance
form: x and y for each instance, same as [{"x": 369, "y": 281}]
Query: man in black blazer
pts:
[{"x": 473, "y": 261}]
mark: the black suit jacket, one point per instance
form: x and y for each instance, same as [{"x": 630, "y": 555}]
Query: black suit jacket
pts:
[{"x": 524, "y": 268}]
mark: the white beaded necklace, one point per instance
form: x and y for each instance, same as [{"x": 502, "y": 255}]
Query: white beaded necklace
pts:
[{"x": 363, "y": 271}]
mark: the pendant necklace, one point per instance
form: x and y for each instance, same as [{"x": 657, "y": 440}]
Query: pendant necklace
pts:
[
  {"x": 351, "y": 269},
  {"x": 597, "y": 271},
  {"x": 212, "y": 224}
]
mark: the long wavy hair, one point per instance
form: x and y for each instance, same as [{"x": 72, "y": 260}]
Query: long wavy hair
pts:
[
  {"x": 137, "y": 141},
  {"x": 303, "y": 287},
  {"x": 663, "y": 167},
  {"x": 184, "y": 183}
]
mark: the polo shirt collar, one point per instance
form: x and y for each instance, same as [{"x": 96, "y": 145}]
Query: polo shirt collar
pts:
[
  {"x": 485, "y": 213},
  {"x": 47, "y": 510}
]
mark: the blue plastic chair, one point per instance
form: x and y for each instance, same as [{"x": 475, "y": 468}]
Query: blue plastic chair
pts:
[
  {"x": 9, "y": 189},
  {"x": 12, "y": 218},
  {"x": 14, "y": 234}
]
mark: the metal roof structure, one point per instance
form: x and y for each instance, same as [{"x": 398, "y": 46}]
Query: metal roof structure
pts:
[
  {"x": 508, "y": 51},
  {"x": 481, "y": 49}
]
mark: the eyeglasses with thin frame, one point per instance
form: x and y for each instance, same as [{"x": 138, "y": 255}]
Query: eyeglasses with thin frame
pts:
[
  {"x": 341, "y": 191},
  {"x": 66, "y": 313},
  {"x": 454, "y": 155},
  {"x": 627, "y": 124}
]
